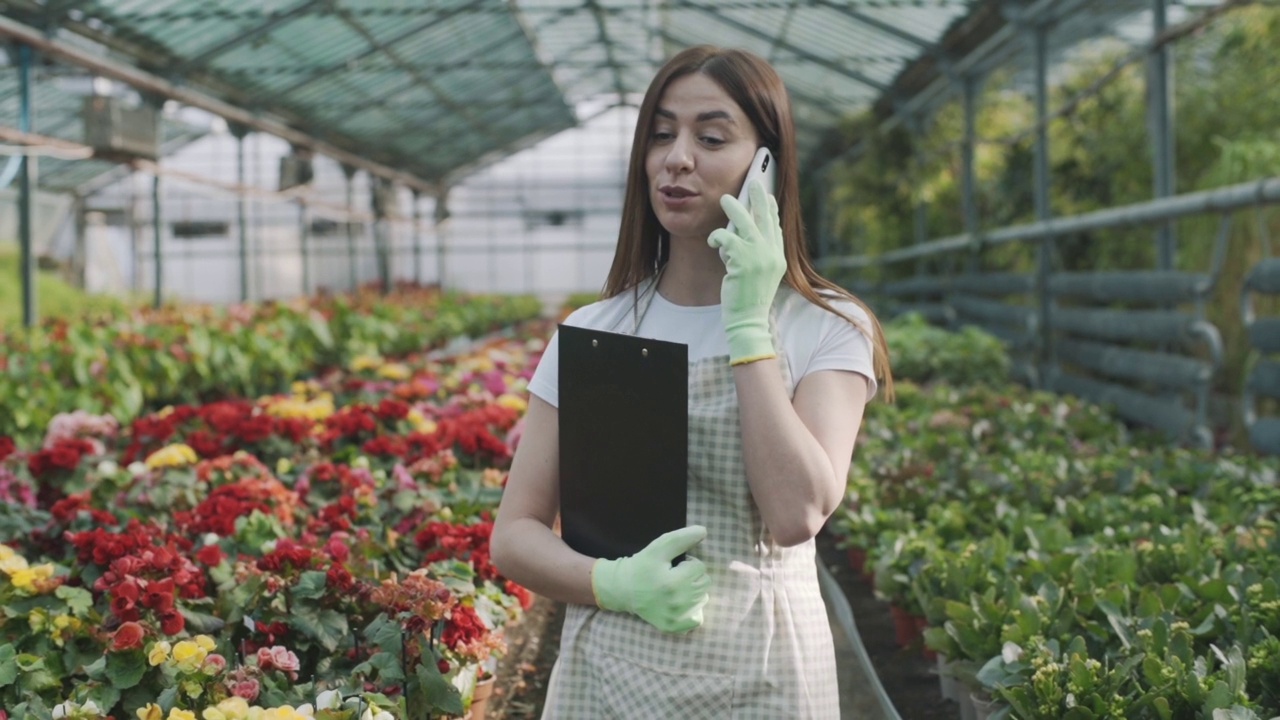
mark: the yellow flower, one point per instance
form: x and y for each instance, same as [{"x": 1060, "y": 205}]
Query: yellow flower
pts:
[
  {"x": 513, "y": 402},
  {"x": 395, "y": 371},
  {"x": 10, "y": 561},
  {"x": 176, "y": 455},
  {"x": 420, "y": 422},
  {"x": 205, "y": 642},
  {"x": 62, "y": 622},
  {"x": 176, "y": 714},
  {"x": 159, "y": 653},
  {"x": 361, "y": 363},
  {"x": 26, "y": 578},
  {"x": 188, "y": 655},
  {"x": 233, "y": 708},
  {"x": 150, "y": 711}
]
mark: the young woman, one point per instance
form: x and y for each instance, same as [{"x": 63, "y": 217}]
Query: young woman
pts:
[{"x": 782, "y": 363}]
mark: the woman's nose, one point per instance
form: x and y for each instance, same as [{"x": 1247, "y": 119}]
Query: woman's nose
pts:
[{"x": 679, "y": 155}]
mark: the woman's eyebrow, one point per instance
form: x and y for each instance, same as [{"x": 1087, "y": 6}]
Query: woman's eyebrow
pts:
[{"x": 702, "y": 117}]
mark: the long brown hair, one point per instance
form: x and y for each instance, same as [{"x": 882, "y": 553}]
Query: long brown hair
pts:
[{"x": 756, "y": 88}]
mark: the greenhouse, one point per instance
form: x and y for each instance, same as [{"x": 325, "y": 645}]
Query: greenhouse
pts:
[{"x": 976, "y": 415}]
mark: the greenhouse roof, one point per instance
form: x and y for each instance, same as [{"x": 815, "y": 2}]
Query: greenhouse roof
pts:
[{"x": 438, "y": 89}]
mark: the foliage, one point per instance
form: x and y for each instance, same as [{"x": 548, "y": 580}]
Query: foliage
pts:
[
  {"x": 148, "y": 359},
  {"x": 321, "y": 552}
]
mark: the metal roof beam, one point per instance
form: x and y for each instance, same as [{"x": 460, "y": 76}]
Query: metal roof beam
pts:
[
  {"x": 594, "y": 8},
  {"x": 880, "y": 25},
  {"x": 711, "y": 11},
  {"x": 408, "y": 33},
  {"x": 381, "y": 100},
  {"x": 816, "y": 101},
  {"x": 293, "y": 13},
  {"x": 150, "y": 83},
  {"x": 461, "y": 110}
]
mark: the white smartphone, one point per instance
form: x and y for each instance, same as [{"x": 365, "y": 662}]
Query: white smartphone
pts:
[{"x": 762, "y": 167}]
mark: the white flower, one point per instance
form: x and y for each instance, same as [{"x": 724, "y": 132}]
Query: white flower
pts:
[
  {"x": 1011, "y": 652},
  {"x": 306, "y": 709},
  {"x": 137, "y": 469},
  {"x": 108, "y": 468},
  {"x": 61, "y": 710},
  {"x": 91, "y": 707},
  {"x": 380, "y": 715},
  {"x": 329, "y": 700}
]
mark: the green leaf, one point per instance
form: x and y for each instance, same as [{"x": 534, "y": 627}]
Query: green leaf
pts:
[
  {"x": 385, "y": 664},
  {"x": 8, "y": 665},
  {"x": 199, "y": 622},
  {"x": 327, "y": 627},
  {"x": 384, "y": 633},
  {"x": 79, "y": 600},
  {"x": 125, "y": 669},
  {"x": 311, "y": 585},
  {"x": 431, "y": 690}
]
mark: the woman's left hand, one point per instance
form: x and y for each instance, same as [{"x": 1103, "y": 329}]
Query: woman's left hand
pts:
[{"x": 756, "y": 263}]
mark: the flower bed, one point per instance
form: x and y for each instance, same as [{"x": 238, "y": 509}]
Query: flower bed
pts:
[
  {"x": 323, "y": 551},
  {"x": 1064, "y": 566},
  {"x": 127, "y": 364}
]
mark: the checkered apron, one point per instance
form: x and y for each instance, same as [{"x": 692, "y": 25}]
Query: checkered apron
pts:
[{"x": 764, "y": 650}]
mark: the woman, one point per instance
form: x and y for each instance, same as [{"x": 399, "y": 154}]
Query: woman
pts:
[{"x": 782, "y": 363}]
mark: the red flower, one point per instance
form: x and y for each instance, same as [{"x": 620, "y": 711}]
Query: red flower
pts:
[
  {"x": 210, "y": 555},
  {"x": 7, "y": 447},
  {"x": 392, "y": 410},
  {"x": 464, "y": 627},
  {"x": 128, "y": 637},
  {"x": 172, "y": 622},
  {"x": 339, "y": 578},
  {"x": 205, "y": 443},
  {"x": 386, "y": 445},
  {"x": 254, "y": 429},
  {"x": 519, "y": 592},
  {"x": 159, "y": 595}
]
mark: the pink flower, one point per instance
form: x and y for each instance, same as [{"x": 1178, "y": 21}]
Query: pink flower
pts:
[
  {"x": 280, "y": 658},
  {"x": 214, "y": 664},
  {"x": 284, "y": 659},
  {"x": 247, "y": 689}
]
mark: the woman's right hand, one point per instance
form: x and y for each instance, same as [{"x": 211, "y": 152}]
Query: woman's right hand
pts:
[{"x": 645, "y": 584}]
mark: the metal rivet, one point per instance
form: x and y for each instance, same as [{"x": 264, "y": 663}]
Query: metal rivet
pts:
[
  {"x": 644, "y": 352},
  {"x": 595, "y": 343}
]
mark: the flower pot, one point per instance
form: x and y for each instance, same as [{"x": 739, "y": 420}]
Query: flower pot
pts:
[
  {"x": 904, "y": 625},
  {"x": 480, "y": 699},
  {"x": 922, "y": 624},
  {"x": 947, "y": 681},
  {"x": 983, "y": 705},
  {"x": 967, "y": 711},
  {"x": 858, "y": 559}
]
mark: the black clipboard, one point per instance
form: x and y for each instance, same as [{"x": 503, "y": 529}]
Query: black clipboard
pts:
[{"x": 624, "y": 440}]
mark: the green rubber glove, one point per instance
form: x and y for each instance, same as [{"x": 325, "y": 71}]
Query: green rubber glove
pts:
[
  {"x": 756, "y": 262},
  {"x": 645, "y": 584}
]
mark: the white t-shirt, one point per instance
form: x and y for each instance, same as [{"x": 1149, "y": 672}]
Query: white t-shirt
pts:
[{"x": 812, "y": 338}]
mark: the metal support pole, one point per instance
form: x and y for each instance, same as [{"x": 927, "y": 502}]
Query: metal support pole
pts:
[
  {"x": 1044, "y": 248},
  {"x": 158, "y": 298},
  {"x": 80, "y": 262},
  {"x": 417, "y": 238},
  {"x": 240, "y": 132},
  {"x": 26, "y": 259},
  {"x": 1160, "y": 111},
  {"x": 382, "y": 199},
  {"x": 350, "y": 172},
  {"x": 304, "y": 241},
  {"x": 441, "y": 216},
  {"x": 920, "y": 209},
  {"x": 969, "y": 194}
]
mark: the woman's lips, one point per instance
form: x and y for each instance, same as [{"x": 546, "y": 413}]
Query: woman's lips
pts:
[{"x": 676, "y": 197}]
